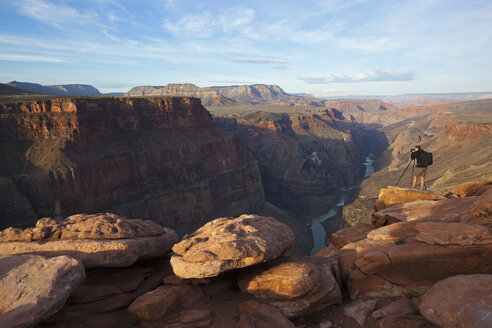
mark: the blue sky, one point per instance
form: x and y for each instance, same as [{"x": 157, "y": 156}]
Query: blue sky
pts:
[{"x": 327, "y": 48}]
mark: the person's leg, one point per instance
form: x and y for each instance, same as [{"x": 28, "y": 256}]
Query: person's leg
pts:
[
  {"x": 414, "y": 181},
  {"x": 422, "y": 182}
]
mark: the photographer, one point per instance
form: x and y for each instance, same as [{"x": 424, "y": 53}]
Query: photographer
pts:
[{"x": 420, "y": 168}]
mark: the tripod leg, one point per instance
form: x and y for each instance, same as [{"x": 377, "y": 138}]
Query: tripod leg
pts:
[
  {"x": 413, "y": 168},
  {"x": 401, "y": 176}
]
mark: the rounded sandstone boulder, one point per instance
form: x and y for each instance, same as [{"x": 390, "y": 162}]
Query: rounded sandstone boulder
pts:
[
  {"x": 296, "y": 285},
  {"x": 230, "y": 243},
  {"x": 460, "y": 301},
  {"x": 97, "y": 240}
]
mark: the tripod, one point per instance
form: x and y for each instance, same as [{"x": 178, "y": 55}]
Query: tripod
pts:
[{"x": 401, "y": 176}]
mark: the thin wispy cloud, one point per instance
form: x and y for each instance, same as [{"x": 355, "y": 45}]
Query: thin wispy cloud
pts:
[
  {"x": 207, "y": 24},
  {"x": 55, "y": 14},
  {"x": 258, "y": 61},
  {"x": 375, "y": 75},
  {"x": 30, "y": 58},
  {"x": 324, "y": 42}
]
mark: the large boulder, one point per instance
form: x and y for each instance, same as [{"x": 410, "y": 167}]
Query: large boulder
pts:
[
  {"x": 98, "y": 240},
  {"x": 32, "y": 288},
  {"x": 230, "y": 243},
  {"x": 295, "y": 285},
  {"x": 430, "y": 241},
  {"x": 395, "y": 195},
  {"x": 459, "y": 302}
]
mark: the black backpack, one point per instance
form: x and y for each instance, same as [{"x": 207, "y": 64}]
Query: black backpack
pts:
[{"x": 426, "y": 158}]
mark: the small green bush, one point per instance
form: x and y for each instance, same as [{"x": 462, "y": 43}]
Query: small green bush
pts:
[{"x": 400, "y": 241}]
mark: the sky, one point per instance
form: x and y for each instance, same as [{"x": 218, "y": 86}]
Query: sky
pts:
[{"x": 325, "y": 48}]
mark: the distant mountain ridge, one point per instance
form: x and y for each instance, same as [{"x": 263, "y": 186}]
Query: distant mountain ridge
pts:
[
  {"x": 255, "y": 93},
  {"x": 6, "y": 89},
  {"x": 57, "y": 90},
  {"x": 208, "y": 96}
]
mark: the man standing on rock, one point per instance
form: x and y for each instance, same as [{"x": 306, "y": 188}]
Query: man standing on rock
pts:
[{"x": 421, "y": 167}]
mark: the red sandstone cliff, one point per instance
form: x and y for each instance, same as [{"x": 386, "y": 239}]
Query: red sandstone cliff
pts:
[
  {"x": 304, "y": 158},
  {"x": 155, "y": 158}
]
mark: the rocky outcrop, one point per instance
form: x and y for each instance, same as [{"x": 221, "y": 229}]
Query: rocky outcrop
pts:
[
  {"x": 430, "y": 241},
  {"x": 303, "y": 158},
  {"x": 227, "y": 243},
  {"x": 208, "y": 96},
  {"x": 394, "y": 195},
  {"x": 295, "y": 285},
  {"x": 460, "y": 301},
  {"x": 100, "y": 240},
  {"x": 32, "y": 288},
  {"x": 159, "y": 158}
]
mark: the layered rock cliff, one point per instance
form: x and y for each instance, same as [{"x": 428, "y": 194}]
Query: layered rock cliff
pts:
[
  {"x": 256, "y": 93},
  {"x": 156, "y": 158},
  {"x": 304, "y": 158},
  {"x": 208, "y": 96}
]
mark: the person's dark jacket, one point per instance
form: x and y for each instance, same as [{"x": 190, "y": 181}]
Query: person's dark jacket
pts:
[{"x": 418, "y": 156}]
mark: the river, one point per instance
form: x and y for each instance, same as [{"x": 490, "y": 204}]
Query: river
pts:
[{"x": 317, "y": 229}]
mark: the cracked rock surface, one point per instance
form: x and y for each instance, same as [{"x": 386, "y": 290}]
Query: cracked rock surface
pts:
[
  {"x": 429, "y": 241},
  {"x": 225, "y": 244}
]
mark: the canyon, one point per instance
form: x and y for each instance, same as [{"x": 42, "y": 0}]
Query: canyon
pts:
[
  {"x": 167, "y": 159},
  {"x": 159, "y": 158},
  {"x": 119, "y": 197}
]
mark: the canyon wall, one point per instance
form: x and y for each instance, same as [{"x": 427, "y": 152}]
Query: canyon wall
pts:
[
  {"x": 155, "y": 158},
  {"x": 304, "y": 158}
]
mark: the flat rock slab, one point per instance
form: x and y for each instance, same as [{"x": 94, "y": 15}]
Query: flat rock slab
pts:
[
  {"x": 85, "y": 226},
  {"x": 230, "y": 243},
  {"x": 32, "y": 288},
  {"x": 99, "y": 240},
  {"x": 460, "y": 301},
  {"x": 96, "y": 253},
  {"x": 394, "y": 195}
]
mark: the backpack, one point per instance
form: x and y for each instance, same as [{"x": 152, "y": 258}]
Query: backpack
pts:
[{"x": 426, "y": 158}]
